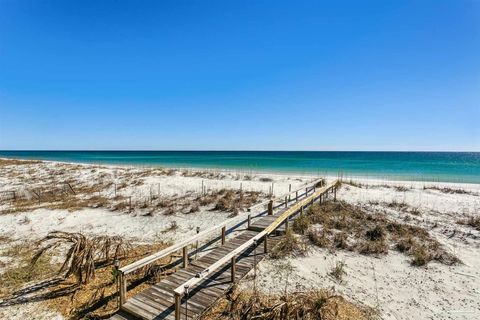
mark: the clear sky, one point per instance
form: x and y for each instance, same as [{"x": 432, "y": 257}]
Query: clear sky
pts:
[{"x": 243, "y": 75}]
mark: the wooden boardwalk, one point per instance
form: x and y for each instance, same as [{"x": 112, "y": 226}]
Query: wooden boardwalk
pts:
[
  {"x": 158, "y": 301},
  {"x": 187, "y": 293}
]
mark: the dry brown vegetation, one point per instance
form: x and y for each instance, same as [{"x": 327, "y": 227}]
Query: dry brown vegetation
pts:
[
  {"x": 308, "y": 305},
  {"x": 21, "y": 270},
  {"x": 229, "y": 200},
  {"x": 338, "y": 271},
  {"x": 69, "y": 294},
  {"x": 450, "y": 190},
  {"x": 16, "y": 162},
  {"x": 471, "y": 221},
  {"x": 62, "y": 186},
  {"x": 340, "y": 225},
  {"x": 83, "y": 253},
  {"x": 289, "y": 244}
]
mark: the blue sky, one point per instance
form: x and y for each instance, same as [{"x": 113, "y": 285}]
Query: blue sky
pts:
[{"x": 242, "y": 75}]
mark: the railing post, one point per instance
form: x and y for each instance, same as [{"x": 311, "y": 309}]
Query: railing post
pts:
[
  {"x": 185, "y": 256},
  {"x": 177, "y": 306},
  {"x": 223, "y": 235},
  {"x": 122, "y": 280},
  {"x": 270, "y": 207},
  {"x": 249, "y": 221},
  {"x": 296, "y": 196},
  {"x": 306, "y": 192},
  {"x": 265, "y": 243},
  {"x": 234, "y": 258},
  {"x": 286, "y": 224},
  {"x": 289, "y": 191},
  {"x": 286, "y": 201},
  {"x": 335, "y": 194}
]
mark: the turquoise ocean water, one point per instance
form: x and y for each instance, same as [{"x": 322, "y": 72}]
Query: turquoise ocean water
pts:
[{"x": 422, "y": 166}]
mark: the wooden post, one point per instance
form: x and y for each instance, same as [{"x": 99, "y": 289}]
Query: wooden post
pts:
[
  {"x": 234, "y": 258},
  {"x": 177, "y": 306},
  {"x": 265, "y": 244},
  {"x": 306, "y": 192},
  {"x": 296, "y": 196},
  {"x": 249, "y": 221},
  {"x": 286, "y": 224},
  {"x": 270, "y": 207},
  {"x": 185, "y": 257},
  {"x": 223, "y": 235},
  {"x": 286, "y": 201},
  {"x": 289, "y": 191},
  {"x": 122, "y": 280},
  {"x": 301, "y": 210},
  {"x": 196, "y": 245},
  {"x": 335, "y": 194}
]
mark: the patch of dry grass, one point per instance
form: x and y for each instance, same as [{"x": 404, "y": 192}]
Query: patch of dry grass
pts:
[
  {"x": 301, "y": 224},
  {"x": 338, "y": 271},
  {"x": 471, "y": 221},
  {"x": 290, "y": 244},
  {"x": 348, "y": 227},
  {"x": 92, "y": 300},
  {"x": 17, "y": 162},
  {"x": 448, "y": 190},
  {"x": 21, "y": 270},
  {"x": 308, "y": 305}
]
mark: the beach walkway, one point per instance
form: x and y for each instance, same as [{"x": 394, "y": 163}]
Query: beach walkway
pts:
[{"x": 187, "y": 293}]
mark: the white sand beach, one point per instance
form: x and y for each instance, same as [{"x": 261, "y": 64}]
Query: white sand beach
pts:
[{"x": 134, "y": 203}]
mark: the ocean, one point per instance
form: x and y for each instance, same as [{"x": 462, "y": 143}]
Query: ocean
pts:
[{"x": 420, "y": 166}]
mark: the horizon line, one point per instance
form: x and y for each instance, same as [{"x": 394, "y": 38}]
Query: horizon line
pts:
[{"x": 223, "y": 150}]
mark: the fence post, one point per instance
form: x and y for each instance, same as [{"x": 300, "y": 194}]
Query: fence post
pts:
[
  {"x": 223, "y": 235},
  {"x": 270, "y": 207},
  {"x": 122, "y": 280},
  {"x": 185, "y": 257},
  {"x": 286, "y": 201},
  {"x": 296, "y": 196},
  {"x": 249, "y": 220},
  {"x": 286, "y": 224},
  {"x": 233, "y": 269},
  {"x": 289, "y": 191},
  {"x": 335, "y": 194},
  {"x": 177, "y": 306}
]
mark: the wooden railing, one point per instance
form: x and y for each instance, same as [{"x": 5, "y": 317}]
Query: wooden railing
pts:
[
  {"x": 231, "y": 256},
  {"x": 183, "y": 245}
]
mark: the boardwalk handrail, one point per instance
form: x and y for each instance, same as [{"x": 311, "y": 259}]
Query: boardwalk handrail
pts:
[
  {"x": 281, "y": 198},
  {"x": 180, "y": 290},
  {"x": 125, "y": 270},
  {"x": 167, "y": 251}
]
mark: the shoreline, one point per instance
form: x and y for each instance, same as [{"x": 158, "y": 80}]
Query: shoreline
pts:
[
  {"x": 148, "y": 206},
  {"x": 345, "y": 177}
]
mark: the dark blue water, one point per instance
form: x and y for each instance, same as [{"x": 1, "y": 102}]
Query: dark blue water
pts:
[{"x": 423, "y": 166}]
